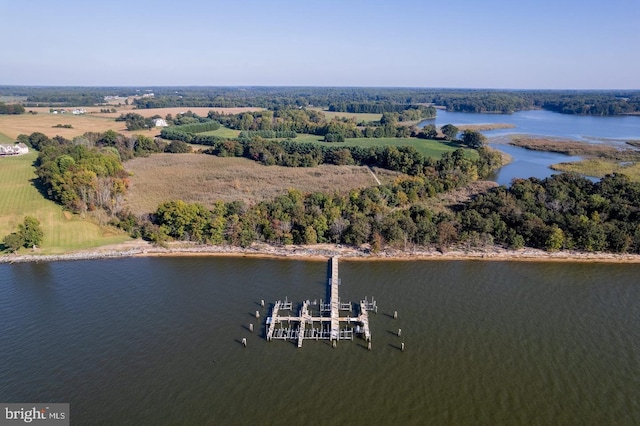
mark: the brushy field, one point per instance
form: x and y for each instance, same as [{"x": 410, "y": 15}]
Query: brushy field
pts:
[
  {"x": 206, "y": 179},
  {"x": 63, "y": 231}
]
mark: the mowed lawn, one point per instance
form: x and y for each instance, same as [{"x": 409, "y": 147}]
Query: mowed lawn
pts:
[{"x": 63, "y": 231}]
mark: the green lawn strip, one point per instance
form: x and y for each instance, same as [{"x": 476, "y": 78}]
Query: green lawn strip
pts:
[
  {"x": 63, "y": 231},
  {"x": 427, "y": 147},
  {"x": 6, "y": 139},
  {"x": 223, "y": 132}
]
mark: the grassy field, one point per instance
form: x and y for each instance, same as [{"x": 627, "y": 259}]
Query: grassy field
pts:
[
  {"x": 6, "y": 139},
  {"x": 223, "y": 132},
  {"x": 63, "y": 231},
  {"x": 206, "y": 179}
]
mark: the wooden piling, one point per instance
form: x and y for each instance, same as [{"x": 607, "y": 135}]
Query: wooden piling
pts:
[{"x": 244, "y": 342}]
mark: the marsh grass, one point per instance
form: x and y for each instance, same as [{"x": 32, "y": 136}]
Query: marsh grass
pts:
[{"x": 206, "y": 179}]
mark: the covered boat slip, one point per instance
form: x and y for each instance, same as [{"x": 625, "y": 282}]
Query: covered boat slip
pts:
[{"x": 311, "y": 322}]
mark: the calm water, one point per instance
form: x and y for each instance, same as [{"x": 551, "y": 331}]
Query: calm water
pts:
[
  {"x": 157, "y": 341},
  {"x": 547, "y": 123},
  {"x": 528, "y": 163}
]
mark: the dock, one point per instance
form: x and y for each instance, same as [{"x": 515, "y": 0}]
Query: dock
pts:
[{"x": 311, "y": 322}]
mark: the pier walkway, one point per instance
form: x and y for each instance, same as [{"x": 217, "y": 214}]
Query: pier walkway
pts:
[{"x": 306, "y": 325}]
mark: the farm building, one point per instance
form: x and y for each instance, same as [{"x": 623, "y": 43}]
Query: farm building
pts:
[
  {"x": 16, "y": 149},
  {"x": 160, "y": 122}
]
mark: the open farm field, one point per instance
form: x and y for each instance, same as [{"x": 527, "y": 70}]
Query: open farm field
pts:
[
  {"x": 63, "y": 231},
  {"x": 13, "y": 125},
  {"x": 206, "y": 179},
  {"x": 358, "y": 117}
]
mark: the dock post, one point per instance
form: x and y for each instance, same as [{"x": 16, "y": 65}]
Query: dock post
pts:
[
  {"x": 251, "y": 328},
  {"x": 399, "y": 332},
  {"x": 262, "y": 303},
  {"x": 334, "y": 344},
  {"x": 402, "y": 347},
  {"x": 244, "y": 342},
  {"x": 257, "y": 314},
  {"x": 369, "y": 345},
  {"x": 395, "y": 314}
]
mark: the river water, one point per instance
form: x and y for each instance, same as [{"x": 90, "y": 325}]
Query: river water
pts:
[
  {"x": 528, "y": 163},
  {"x": 152, "y": 341}
]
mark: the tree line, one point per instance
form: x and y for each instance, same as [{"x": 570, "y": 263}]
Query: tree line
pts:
[
  {"x": 10, "y": 109},
  {"x": 561, "y": 212},
  {"x": 609, "y": 102}
]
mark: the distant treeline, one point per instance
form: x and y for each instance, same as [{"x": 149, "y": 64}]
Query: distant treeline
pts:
[
  {"x": 406, "y": 112},
  {"x": 608, "y": 102}
]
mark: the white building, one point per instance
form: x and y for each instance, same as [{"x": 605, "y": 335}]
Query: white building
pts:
[
  {"x": 16, "y": 149},
  {"x": 160, "y": 122}
]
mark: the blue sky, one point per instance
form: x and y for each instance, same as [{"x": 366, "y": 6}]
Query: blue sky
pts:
[{"x": 560, "y": 44}]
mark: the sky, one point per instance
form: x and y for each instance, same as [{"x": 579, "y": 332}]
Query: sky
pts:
[{"x": 514, "y": 44}]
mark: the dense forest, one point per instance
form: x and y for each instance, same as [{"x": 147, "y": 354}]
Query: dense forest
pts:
[{"x": 609, "y": 102}]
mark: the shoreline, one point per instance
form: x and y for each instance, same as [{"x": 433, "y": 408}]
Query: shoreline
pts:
[{"x": 322, "y": 252}]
